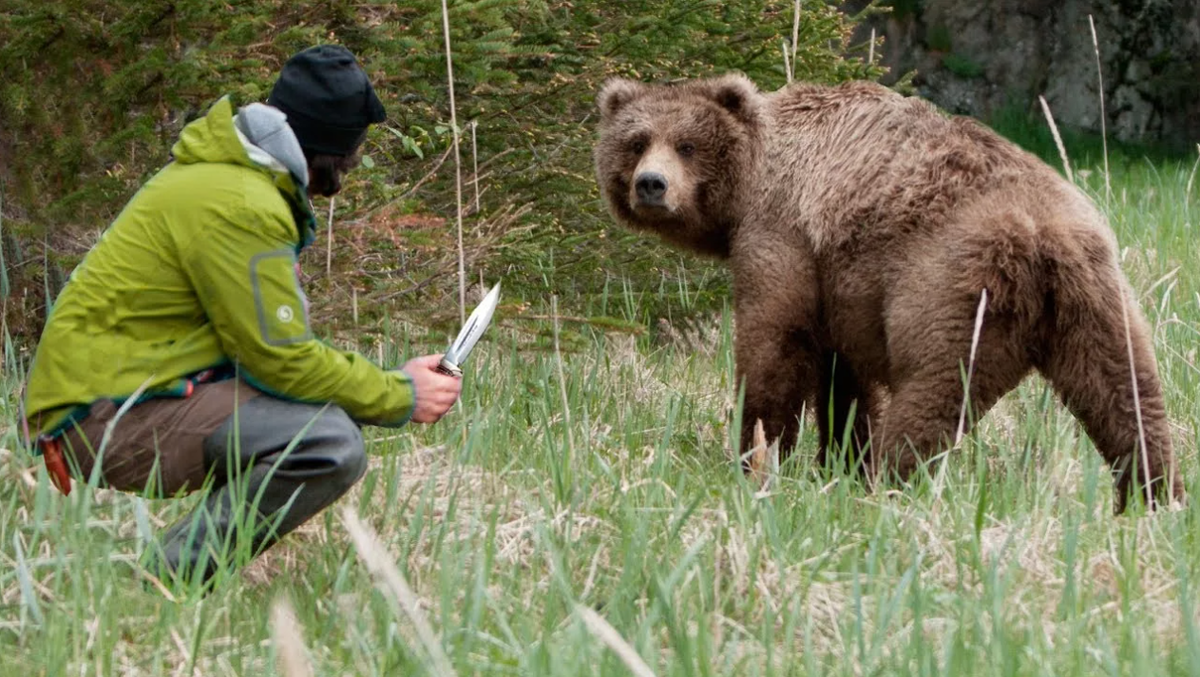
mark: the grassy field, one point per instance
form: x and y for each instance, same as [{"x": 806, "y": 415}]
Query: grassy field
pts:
[{"x": 581, "y": 506}]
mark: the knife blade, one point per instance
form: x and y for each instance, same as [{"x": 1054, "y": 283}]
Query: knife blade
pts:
[{"x": 469, "y": 335}]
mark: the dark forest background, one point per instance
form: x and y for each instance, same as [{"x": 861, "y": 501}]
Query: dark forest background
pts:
[{"x": 93, "y": 94}]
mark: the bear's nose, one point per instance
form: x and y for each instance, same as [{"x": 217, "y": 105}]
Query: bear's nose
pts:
[{"x": 651, "y": 187}]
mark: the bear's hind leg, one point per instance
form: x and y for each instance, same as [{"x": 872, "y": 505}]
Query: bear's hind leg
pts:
[
  {"x": 1089, "y": 366},
  {"x": 931, "y": 353}
]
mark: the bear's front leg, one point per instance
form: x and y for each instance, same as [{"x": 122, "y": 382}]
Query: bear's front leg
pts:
[
  {"x": 778, "y": 353},
  {"x": 779, "y": 371}
]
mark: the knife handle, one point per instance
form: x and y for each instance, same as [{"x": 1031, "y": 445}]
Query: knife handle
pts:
[{"x": 449, "y": 369}]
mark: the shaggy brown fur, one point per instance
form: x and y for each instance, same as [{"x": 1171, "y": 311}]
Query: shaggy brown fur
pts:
[{"x": 861, "y": 228}]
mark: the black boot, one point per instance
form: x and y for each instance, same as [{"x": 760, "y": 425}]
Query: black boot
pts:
[{"x": 287, "y": 462}]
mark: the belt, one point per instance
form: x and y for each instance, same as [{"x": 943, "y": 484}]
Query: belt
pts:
[{"x": 56, "y": 465}]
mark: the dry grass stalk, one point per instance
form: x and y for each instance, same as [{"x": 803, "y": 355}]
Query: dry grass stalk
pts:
[
  {"x": 425, "y": 179},
  {"x": 158, "y": 585},
  {"x": 188, "y": 661},
  {"x": 329, "y": 243},
  {"x": 787, "y": 64},
  {"x": 760, "y": 457},
  {"x": 962, "y": 414},
  {"x": 871, "y": 50},
  {"x": 475, "y": 164},
  {"x": 4, "y": 286},
  {"x": 1103, "y": 124},
  {"x": 286, "y": 633},
  {"x": 1062, "y": 150},
  {"x": 376, "y": 558},
  {"x": 795, "y": 40},
  {"x": 462, "y": 272},
  {"x": 606, "y": 633},
  {"x": 1137, "y": 404}
]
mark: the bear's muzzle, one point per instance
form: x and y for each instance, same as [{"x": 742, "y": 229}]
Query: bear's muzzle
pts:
[{"x": 651, "y": 189}]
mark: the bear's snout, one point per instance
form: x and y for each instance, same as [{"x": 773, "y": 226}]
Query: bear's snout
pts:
[{"x": 651, "y": 188}]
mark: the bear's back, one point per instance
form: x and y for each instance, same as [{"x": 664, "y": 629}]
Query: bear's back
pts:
[{"x": 858, "y": 155}]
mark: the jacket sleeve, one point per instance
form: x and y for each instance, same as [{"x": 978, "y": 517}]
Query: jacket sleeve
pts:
[{"x": 244, "y": 272}]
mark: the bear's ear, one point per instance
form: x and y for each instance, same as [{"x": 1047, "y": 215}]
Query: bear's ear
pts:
[
  {"x": 615, "y": 93},
  {"x": 735, "y": 93}
]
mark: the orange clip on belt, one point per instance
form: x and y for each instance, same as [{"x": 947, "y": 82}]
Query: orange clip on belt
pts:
[{"x": 56, "y": 465}]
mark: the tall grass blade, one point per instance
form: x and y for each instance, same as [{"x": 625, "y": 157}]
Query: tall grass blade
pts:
[
  {"x": 376, "y": 558},
  {"x": 121, "y": 411},
  {"x": 29, "y": 600},
  {"x": 607, "y": 634},
  {"x": 562, "y": 381},
  {"x": 1192, "y": 175}
]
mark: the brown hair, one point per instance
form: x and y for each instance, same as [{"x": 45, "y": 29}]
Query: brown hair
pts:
[{"x": 326, "y": 172}]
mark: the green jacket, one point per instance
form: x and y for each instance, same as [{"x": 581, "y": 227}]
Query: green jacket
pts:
[{"x": 197, "y": 272}]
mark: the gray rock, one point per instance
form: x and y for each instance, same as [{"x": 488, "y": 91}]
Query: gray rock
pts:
[{"x": 977, "y": 58}]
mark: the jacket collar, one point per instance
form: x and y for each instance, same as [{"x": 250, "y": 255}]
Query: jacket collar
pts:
[
  {"x": 257, "y": 136},
  {"x": 270, "y": 143}
]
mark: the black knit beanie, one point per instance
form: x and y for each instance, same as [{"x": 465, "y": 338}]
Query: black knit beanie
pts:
[{"x": 328, "y": 100}]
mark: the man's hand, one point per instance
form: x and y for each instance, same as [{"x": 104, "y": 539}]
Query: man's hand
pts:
[{"x": 436, "y": 392}]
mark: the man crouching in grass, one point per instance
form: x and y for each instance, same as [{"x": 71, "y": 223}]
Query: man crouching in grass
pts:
[{"x": 191, "y": 302}]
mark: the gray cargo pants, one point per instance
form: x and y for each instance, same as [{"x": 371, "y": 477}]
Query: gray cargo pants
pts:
[{"x": 235, "y": 442}]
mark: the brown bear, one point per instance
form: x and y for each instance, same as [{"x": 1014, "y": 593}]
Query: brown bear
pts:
[{"x": 865, "y": 231}]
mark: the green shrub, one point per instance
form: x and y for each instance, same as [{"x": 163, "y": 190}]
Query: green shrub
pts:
[{"x": 962, "y": 66}]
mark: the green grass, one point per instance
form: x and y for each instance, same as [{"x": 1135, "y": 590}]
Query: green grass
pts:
[{"x": 518, "y": 507}]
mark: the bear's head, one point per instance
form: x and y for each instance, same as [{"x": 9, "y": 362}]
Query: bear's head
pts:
[{"x": 671, "y": 159}]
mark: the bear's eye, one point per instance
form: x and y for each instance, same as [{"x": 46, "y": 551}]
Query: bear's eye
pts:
[
  {"x": 638, "y": 146},
  {"x": 686, "y": 149}
]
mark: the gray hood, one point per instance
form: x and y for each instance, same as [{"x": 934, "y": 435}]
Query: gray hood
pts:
[{"x": 269, "y": 141}]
